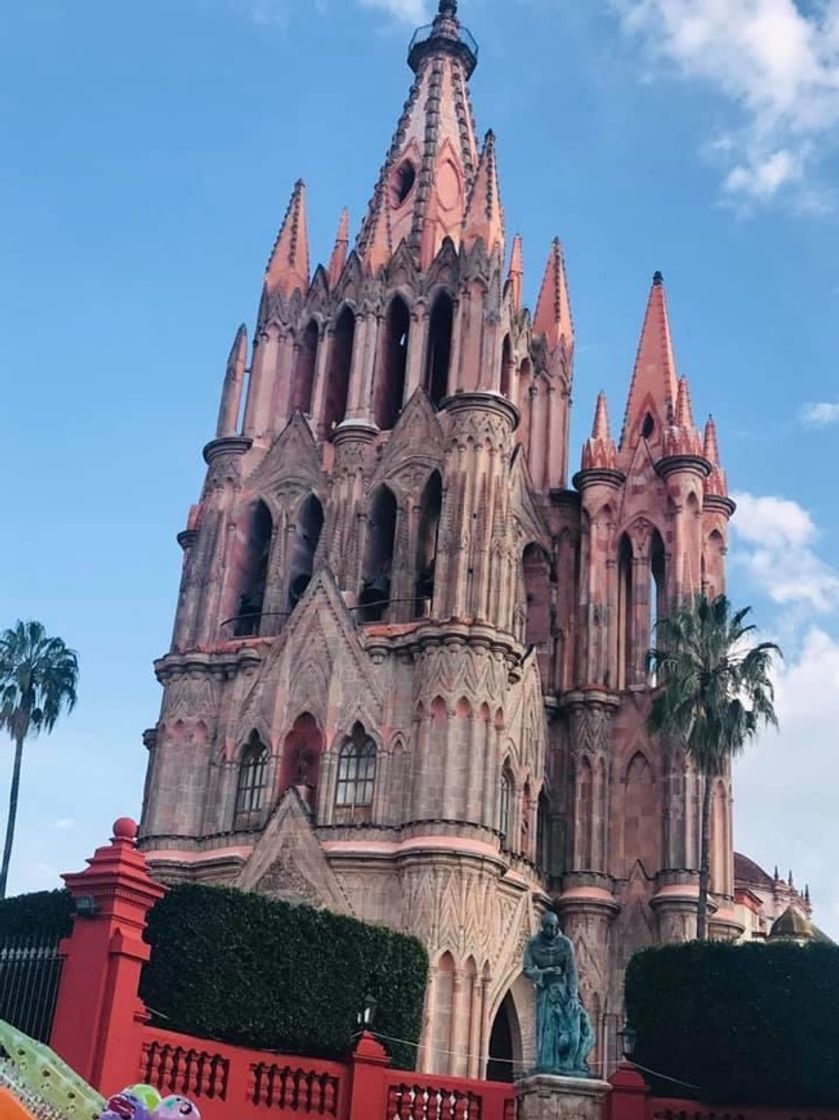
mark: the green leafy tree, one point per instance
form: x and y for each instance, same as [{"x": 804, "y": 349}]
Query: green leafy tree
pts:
[
  {"x": 38, "y": 680},
  {"x": 715, "y": 692}
]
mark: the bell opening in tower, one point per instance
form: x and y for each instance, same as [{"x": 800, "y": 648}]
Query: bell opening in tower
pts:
[
  {"x": 439, "y": 349},
  {"x": 390, "y": 382},
  {"x": 254, "y": 571},
  {"x": 429, "y": 527},
  {"x": 374, "y": 597},
  {"x": 304, "y": 371},
  {"x": 338, "y": 372}
]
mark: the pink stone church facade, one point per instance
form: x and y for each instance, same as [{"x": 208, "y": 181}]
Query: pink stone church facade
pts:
[{"x": 407, "y": 678}]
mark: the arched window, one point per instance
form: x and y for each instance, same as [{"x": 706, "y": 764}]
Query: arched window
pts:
[
  {"x": 390, "y": 379},
  {"x": 537, "y": 588},
  {"x": 438, "y": 353},
  {"x": 429, "y": 524},
  {"x": 506, "y": 366},
  {"x": 338, "y": 371},
  {"x": 374, "y": 597},
  {"x": 252, "y": 784},
  {"x": 625, "y": 675},
  {"x": 253, "y": 576},
  {"x": 657, "y": 586},
  {"x": 304, "y": 370},
  {"x": 303, "y": 548},
  {"x": 302, "y": 750},
  {"x": 543, "y": 833},
  {"x": 505, "y": 806},
  {"x": 356, "y": 772}
]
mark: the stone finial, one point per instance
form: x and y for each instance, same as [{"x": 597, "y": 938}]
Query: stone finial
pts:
[
  {"x": 515, "y": 276},
  {"x": 234, "y": 379},
  {"x": 710, "y": 444},
  {"x": 288, "y": 268},
  {"x": 599, "y": 451},
  {"x": 339, "y": 252},
  {"x": 124, "y": 828},
  {"x": 553, "y": 307},
  {"x": 653, "y": 389}
]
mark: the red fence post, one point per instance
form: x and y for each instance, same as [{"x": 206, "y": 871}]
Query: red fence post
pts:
[
  {"x": 99, "y": 1013},
  {"x": 629, "y": 1096},
  {"x": 367, "y": 1092}
]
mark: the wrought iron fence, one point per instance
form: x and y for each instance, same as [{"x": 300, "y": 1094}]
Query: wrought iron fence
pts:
[{"x": 30, "y": 973}]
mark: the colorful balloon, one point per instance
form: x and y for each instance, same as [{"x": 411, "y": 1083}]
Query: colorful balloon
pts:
[
  {"x": 138, "y": 1102},
  {"x": 177, "y": 1108}
]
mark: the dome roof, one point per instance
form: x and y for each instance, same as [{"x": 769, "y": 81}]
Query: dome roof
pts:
[
  {"x": 792, "y": 923},
  {"x": 747, "y": 872}
]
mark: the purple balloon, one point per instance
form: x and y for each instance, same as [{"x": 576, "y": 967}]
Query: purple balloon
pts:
[{"x": 177, "y": 1108}]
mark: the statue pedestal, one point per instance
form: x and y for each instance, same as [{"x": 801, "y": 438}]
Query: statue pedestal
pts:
[{"x": 548, "y": 1096}]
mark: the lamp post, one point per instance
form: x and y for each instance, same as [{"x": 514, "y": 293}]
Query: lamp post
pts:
[
  {"x": 628, "y": 1036},
  {"x": 368, "y": 1012}
]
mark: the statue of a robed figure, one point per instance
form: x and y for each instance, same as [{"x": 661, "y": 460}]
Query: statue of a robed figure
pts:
[{"x": 564, "y": 1038}]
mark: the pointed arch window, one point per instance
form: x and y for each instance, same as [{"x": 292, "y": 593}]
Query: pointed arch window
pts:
[
  {"x": 439, "y": 349},
  {"x": 505, "y": 806},
  {"x": 429, "y": 525},
  {"x": 338, "y": 371},
  {"x": 252, "y": 784},
  {"x": 390, "y": 380},
  {"x": 374, "y": 597},
  {"x": 624, "y": 659},
  {"x": 356, "y": 771},
  {"x": 506, "y": 366},
  {"x": 304, "y": 546},
  {"x": 253, "y": 576},
  {"x": 657, "y": 590},
  {"x": 304, "y": 370}
]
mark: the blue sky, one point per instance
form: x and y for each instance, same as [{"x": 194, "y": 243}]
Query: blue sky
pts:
[{"x": 147, "y": 157}]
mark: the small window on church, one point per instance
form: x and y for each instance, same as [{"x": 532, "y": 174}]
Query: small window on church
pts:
[
  {"x": 648, "y": 427},
  {"x": 356, "y": 772},
  {"x": 505, "y": 807},
  {"x": 252, "y": 785},
  {"x": 402, "y": 183}
]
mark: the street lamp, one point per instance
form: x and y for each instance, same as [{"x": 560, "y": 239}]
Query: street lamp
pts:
[
  {"x": 628, "y": 1036},
  {"x": 368, "y": 1012}
]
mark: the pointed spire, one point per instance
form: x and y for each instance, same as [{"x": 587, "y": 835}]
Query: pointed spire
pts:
[
  {"x": 653, "y": 390},
  {"x": 234, "y": 379},
  {"x": 288, "y": 267},
  {"x": 807, "y": 893},
  {"x": 684, "y": 407},
  {"x": 339, "y": 253},
  {"x": 484, "y": 217},
  {"x": 553, "y": 308},
  {"x": 515, "y": 277},
  {"x": 599, "y": 451},
  {"x": 777, "y": 876},
  {"x": 710, "y": 443},
  {"x": 379, "y": 248}
]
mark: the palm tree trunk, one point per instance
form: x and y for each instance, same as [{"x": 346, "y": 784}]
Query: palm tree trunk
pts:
[
  {"x": 10, "y": 824},
  {"x": 704, "y": 861}
]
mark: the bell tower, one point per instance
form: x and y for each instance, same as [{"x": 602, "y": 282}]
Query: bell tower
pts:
[{"x": 406, "y": 676}]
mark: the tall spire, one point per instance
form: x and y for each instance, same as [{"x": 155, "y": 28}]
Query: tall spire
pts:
[
  {"x": 484, "y": 217},
  {"x": 288, "y": 267},
  {"x": 553, "y": 308},
  {"x": 716, "y": 482},
  {"x": 515, "y": 277},
  {"x": 339, "y": 253},
  {"x": 653, "y": 390},
  {"x": 234, "y": 378},
  {"x": 430, "y": 167}
]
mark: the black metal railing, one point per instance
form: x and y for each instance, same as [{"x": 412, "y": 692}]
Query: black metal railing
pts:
[{"x": 30, "y": 973}]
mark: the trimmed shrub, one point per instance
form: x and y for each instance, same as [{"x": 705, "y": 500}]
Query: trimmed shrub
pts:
[
  {"x": 747, "y": 1024},
  {"x": 43, "y": 914},
  {"x": 253, "y": 971}
]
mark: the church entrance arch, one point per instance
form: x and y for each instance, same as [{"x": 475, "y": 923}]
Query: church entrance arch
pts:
[{"x": 507, "y": 1043}]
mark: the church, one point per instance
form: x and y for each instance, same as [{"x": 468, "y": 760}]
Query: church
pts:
[{"x": 407, "y": 678}]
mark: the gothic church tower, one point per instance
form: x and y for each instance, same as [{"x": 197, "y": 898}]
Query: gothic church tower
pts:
[{"x": 407, "y": 679}]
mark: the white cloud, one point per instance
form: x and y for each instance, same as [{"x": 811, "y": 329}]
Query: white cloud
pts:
[
  {"x": 784, "y": 785},
  {"x": 775, "y": 61},
  {"x": 414, "y": 12},
  {"x": 820, "y": 414},
  {"x": 64, "y": 823},
  {"x": 777, "y": 538}
]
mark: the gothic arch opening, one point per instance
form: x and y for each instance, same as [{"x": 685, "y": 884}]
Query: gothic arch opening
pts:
[
  {"x": 625, "y": 674},
  {"x": 439, "y": 349},
  {"x": 390, "y": 380},
  {"x": 251, "y": 784},
  {"x": 304, "y": 370},
  {"x": 431, "y": 506},
  {"x": 303, "y": 548},
  {"x": 441, "y": 1024},
  {"x": 302, "y": 751},
  {"x": 506, "y": 1047},
  {"x": 641, "y": 817},
  {"x": 536, "y": 572},
  {"x": 526, "y": 815},
  {"x": 505, "y": 805},
  {"x": 338, "y": 371},
  {"x": 657, "y": 589},
  {"x": 253, "y": 575},
  {"x": 374, "y": 597},
  {"x": 585, "y": 812},
  {"x": 543, "y": 833},
  {"x": 356, "y": 777},
  {"x": 713, "y": 565},
  {"x": 506, "y": 366}
]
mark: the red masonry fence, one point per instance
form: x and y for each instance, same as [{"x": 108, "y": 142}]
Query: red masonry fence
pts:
[{"x": 101, "y": 1028}]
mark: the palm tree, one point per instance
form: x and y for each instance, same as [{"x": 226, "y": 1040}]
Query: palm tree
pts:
[
  {"x": 714, "y": 694},
  {"x": 38, "y": 679}
]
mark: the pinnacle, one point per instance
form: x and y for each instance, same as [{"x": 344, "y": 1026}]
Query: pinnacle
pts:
[
  {"x": 239, "y": 349},
  {"x": 600, "y": 428},
  {"x": 484, "y": 217},
  {"x": 684, "y": 408},
  {"x": 515, "y": 275},
  {"x": 288, "y": 267},
  {"x": 553, "y": 308},
  {"x": 599, "y": 450},
  {"x": 711, "y": 445},
  {"x": 654, "y": 389},
  {"x": 339, "y": 252}
]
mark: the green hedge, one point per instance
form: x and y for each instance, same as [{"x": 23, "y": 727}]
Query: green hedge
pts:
[
  {"x": 249, "y": 970},
  {"x": 748, "y": 1024},
  {"x": 47, "y": 914}
]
